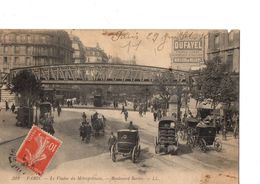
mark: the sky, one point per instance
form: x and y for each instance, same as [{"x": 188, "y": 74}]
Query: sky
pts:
[{"x": 150, "y": 47}]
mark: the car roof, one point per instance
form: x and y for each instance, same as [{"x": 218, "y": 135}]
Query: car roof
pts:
[
  {"x": 127, "y": 130},
  {"x": 168, "y": 118},
  {"x": 44, "y": 103}
]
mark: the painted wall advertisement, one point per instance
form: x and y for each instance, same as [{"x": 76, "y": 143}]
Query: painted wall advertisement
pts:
[{"x": 188, "y": 49}]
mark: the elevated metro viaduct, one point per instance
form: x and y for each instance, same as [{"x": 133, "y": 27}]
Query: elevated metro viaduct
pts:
[{"x": 104, "y": 74}]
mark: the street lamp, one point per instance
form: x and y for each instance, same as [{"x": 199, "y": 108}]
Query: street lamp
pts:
[{"x": 146, "y": 94}]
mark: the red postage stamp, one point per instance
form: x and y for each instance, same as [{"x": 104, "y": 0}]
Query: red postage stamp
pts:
[{"x": 37, "y": 150}]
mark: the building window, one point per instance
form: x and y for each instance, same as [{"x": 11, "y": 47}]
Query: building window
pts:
[
  {"x": 6, "y": 49},
  {"x": 216, "y": 41},
  {"x": 18, "y": 38},
  {"x": 16, "y": 49},
  {"x": 5, "y": 60},
  {"x": 230, "y": 38},
  {"x": 6, "y": 38},
  {"x": 28, "y": 61},
  {"x": 16, "y": 60},
  {"x": 28, "y": 38},
  {"x": 230, "y": 63},
  {"x": 43, "y": 39},
  {"x": 26, "y": 50}
]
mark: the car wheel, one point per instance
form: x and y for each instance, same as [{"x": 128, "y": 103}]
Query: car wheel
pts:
[
  {"x": 157, "y": 149},
  {"x": 134, "y": 154},
  {"x": 217, "y": 145},
  {"x": 203, "y": 145},
  {"x": 113, "y": 153}
]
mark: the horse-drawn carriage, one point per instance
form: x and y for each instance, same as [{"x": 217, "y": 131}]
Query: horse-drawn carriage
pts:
[
  {"x": 127, "y": 145},
  {"x": 204, "y": 135},
  {"x": 167, "y": 140},
  {"x": 98, "y": 123}
]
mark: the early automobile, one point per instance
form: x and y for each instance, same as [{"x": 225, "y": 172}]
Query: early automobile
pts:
[
  {"x": 205, "y": 136},
  {"x": 167, "y": 140},
  {"x": 127, "y": 145},
  {"x": 98, "y": 123}
]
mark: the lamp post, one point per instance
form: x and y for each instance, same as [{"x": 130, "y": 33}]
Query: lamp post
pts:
[{"x": 146, "y": 94}]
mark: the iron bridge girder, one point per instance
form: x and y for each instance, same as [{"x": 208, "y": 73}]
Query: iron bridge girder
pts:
[{"x": 103, "y": 73}]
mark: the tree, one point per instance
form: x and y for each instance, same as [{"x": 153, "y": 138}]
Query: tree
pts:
[
  {"x": 216, "y": 84},
  {"x": 164, "y": 91},
  {"x": 165, "y": 88},
  {"x": 26, "y": 84}
]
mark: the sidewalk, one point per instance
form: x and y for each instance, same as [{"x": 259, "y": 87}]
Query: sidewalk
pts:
[
  {"x": 129, "y": 108},
  {"x": 8, "y": 130}
]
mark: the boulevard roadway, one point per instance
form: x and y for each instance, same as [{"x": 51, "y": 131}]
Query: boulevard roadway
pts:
[{"x": 78, "y": 159}]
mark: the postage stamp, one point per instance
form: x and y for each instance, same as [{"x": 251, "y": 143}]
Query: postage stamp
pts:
[{"x": 37, "y": 150}]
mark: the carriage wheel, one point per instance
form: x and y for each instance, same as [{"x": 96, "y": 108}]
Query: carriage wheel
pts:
[
  {"x": 155, "y": 141},
  {"x": 134, "y": 154},
  {"x": 113, "y": 153},
  {"x": 190, "y": 141},
  {"x": 202, "y": 145},
  {"x": 217, "y": 145},
  {"x": 139, "y": 151},
  {"x": 157, "y": 148},
  {"x": 182, "y": 135}
]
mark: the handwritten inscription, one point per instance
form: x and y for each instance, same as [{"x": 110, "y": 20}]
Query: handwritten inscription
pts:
[{"x": 132, "y": 40}]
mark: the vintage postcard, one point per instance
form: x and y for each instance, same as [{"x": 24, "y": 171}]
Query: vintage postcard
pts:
[{"x": 128, "y": 106}]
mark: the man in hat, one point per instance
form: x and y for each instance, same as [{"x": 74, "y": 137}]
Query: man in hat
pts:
[{"x": 131, "y": 126}]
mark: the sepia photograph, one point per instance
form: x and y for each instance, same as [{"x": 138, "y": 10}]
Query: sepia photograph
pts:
[{"x": 119, "y": 106}]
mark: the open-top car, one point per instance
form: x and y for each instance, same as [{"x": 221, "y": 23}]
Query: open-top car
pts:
[
  {"x": 205, "y": 136},
  {"x": 167, "y": 140},
  {"x": 127, "y": 145}
]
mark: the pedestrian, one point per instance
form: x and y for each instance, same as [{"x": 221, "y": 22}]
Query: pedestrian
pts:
[
  {"x": 235, "y": 120},
  {"x": 159, "y": 114},
  {"x": 82, "y": 130},
  {"x": 154, "y": 115},
  {"x": 59, "y": 110},
  {"x": 130, "y": 126},
  {"x": 141, "y": 110},
  {"x": 145, "y": 109},
  {"x": 6, "y": 106},
  {"x": 13, "y": 107},
  {"x": 123, "y": 109},
  {"x": 111, "y": 141},
  {"x": 135, "y": 106},
  {"x": 164, "y": 112},
  {"x": 114, "y": 103},
  {"x": 84, "y": 116},
  {"x": 88, "y": 132},
  {"x": 126, "y": 114}
]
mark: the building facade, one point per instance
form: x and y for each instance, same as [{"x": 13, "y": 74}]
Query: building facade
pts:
[
  {"x": 225, "y": 45},
  {"x": 21, "y": 48},
  {"x": 78, "y": 50},
  {"x": 95, "y": 55}
]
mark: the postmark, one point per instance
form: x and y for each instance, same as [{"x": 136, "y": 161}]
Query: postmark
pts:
[{"x": 37, "y": 150}]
